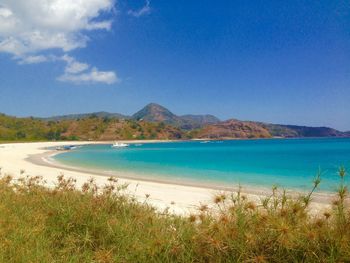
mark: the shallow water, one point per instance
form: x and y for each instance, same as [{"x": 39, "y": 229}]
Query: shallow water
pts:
[{"x": 290, "y": 163}]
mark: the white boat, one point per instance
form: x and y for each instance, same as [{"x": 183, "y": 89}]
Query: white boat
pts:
[
  {"x": 66, "y": 147},
  {"x": 204, "y": 142},
  {"x": 119, "y": 145}
]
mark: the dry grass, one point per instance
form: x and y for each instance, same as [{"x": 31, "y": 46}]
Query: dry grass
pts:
[{"x": 94, "y": 224}]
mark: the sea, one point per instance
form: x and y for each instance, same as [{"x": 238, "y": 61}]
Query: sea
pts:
[{"x": 286, "y": 163}]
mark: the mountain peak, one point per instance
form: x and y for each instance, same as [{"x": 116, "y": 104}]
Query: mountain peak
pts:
[
  {"x": 154, "y": 112},
  {"x": 155, "y": 106}
]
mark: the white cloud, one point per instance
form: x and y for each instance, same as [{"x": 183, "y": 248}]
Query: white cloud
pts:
[
  {"x": 30, "y": 27},
  {"x": 91, "y": 76},
  {"x": 100, "y": 25},
  {"x": 33, "y": 59},
  {"x": 80, "y": 73},
  {"x": 73, "y": 66},
  {"x": 36, "y": 25},
  {"x": 145, "y": 10}
]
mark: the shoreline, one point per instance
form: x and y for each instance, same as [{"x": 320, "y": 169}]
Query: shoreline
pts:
[
  {"x": 46, "y": 160},
  {"x": 179, "y": 197}
]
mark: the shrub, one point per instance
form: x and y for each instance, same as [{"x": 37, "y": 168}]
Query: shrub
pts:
[{"x": 104, "y": 224}]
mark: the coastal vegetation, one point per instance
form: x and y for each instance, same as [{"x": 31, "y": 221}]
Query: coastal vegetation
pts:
[
  {"x": 104, "y": 224},
  {"x": 152, "y": 122},
  {"x": 89, "y": 128}
]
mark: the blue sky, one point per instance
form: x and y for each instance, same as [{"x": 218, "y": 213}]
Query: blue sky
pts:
[{"x": 275, "y": 61}]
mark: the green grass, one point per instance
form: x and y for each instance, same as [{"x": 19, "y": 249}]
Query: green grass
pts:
[{"x": 63, "y": 224}]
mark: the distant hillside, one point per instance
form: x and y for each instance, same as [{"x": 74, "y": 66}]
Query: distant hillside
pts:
[
  {"x": 152, "y": 122},
  {"x": 156, "y": 113},
  {"x": 151, "y": 113},
  {"x": 248, "y": 129},
  {"x": 301, "y": 131},
  {"x": 91, "y": 128},
  {"x": 100, "y": 114},
  {"x": 233, "y": 129},
  {"x": 197, "y": 121}
]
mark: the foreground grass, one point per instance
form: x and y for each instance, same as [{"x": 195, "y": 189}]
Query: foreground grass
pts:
[{"x": 63, "y": 224}]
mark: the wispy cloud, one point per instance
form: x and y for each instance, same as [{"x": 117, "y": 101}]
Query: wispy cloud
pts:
[
  {"x": 32, "y": 59},
  {"x": 145, "y": 10},
  {"x": 31, "y": 28},
  {"x": 82, "y": 73},
  {"x": 73, "y": 66},
  {"x": 90, "y": 77}
]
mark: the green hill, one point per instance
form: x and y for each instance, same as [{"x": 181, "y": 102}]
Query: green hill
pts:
[{"x": 90, "y": 128}]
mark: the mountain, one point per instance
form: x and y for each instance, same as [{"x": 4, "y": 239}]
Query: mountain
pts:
[
  {"x": 233, "y": 129},
  {"x": 248, "y": 129},
  {"x": 100, "y": 114},
  {"x": 210, "y": 119},
  {"x": 152, "y": 122},
  {"x": 291, "y": 131},
  {"x": 211, "y": 127},
  {"x": 156, "y": 113},
  {"x": 151, "y": 113},
  {"x": 197, "y": 121}
]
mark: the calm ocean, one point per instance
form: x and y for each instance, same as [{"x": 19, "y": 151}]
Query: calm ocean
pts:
[{"x": 290, "y": 163}]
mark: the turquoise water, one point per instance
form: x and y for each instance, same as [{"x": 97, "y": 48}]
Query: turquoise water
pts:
[{"x": 290, "y": 163}]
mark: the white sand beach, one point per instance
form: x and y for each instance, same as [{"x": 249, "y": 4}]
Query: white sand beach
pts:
[{"x": 180, "y": 199}]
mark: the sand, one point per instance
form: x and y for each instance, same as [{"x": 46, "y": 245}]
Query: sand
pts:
[{"x": 179, "y": 198}]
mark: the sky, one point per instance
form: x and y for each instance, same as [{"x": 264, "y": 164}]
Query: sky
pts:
[{"x": 285, "y": 62}]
